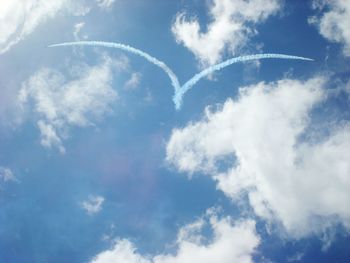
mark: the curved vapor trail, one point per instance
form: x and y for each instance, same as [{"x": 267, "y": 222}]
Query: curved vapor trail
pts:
[
  {"x": 180, "y": 90},
  {"x": 190, "y": 83},
  {"x": 153, "y": 60}
]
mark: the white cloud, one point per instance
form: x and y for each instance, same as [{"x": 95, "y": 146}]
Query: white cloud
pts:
[
  {"x": 7, "y": 175},
  {"x": 93, "y": 205},
  {"x": 334, "y": 24},
  {"x": 231, "y": 242},
  {"x": 123, "y": 251},
  {"x": 77, "y": 28},
  {"x": 296, "y": 257},
  {"x": 303, "y": 184},
  {"x": 49, "y": 137},
  {"x": 19, "y": 18},
  {"x": 134, "y": 81},
  {"x": 233, "y": 23},
  {"x": 105, "y": 3},
  {"x": 61, "y": 103}
]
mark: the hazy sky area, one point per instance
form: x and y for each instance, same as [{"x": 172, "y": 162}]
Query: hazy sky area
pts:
[{"x": 99, "y": 165}]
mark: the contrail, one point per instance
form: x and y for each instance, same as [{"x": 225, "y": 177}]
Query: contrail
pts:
[
  {"x": 179, "y": 90},
  {"x": 189, "y": 84},
  {"x": 153, "y": 60}
]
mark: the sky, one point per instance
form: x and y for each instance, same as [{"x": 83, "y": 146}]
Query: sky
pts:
[{"x": 99, "y": 165}]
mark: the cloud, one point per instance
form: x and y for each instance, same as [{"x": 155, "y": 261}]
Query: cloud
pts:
[
  {"x": 334, "y": 23},
  {"x": 296, "y": 257},
  {"x": 49, "y": 137},
  {"x": 105, "y": 3},
  {"x": 93, "y": 205},
  {"x": 254, "y": 147},
  {"x": 61, "y": 103},
  {"x": 19, "y": 18},
  {"x": 77, "y": 29},
  {"x": 233, "y": 23},
  {"x": 134, "y": 81},
  {"x": 7, "y": 175},
  {"x": 231, "y": 242}
]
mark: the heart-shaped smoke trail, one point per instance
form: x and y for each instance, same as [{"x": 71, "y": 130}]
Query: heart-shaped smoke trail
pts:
[{"x": 180, "y": 90}]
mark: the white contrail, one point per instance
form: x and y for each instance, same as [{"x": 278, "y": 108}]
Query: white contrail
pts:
[
  {"x": 189, "y": 84},
  {"x": 153, "y": 60},
  {"x": 179, "y": 90}
]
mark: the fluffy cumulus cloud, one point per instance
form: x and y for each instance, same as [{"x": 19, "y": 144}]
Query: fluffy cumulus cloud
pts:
[
  {"x": 233, "y": 22},
  {"x": 231, "y": 242},
  {"x": 60, "y": 103},
  {"x": 260, "y": 146},
  {"x": 93, "y": 205},
  {"x": 334, "y": 23}
]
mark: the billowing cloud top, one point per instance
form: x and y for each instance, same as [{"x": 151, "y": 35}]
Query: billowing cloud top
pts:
[
  {"x": 232, "y": 242},
  {"x": 302, "y": 184}
]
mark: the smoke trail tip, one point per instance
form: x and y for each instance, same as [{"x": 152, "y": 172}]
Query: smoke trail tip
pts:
[
  {"x": 304, "y": 58},
  {"x": 66, "y": 44},
  {"x": 54, "y": 45},
  {"x": 309, "y": 59}
]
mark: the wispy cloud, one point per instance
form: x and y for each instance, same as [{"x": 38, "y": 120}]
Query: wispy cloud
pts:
[
  {"x": 233, "y": 23},
  {"x": 105, "y": 3},
  {"x": 62, "y": 103},
  {"x": 20, "y": 18},
  {"x": 134, "y": 81},
  {"x": 77, "y": 29},
  {"x": 93, "y": 205},
  {"x": 296, "y": 257},
  {"x": 7, "y": 175}
]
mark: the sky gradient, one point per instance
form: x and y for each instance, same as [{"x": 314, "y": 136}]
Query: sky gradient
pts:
[{"x": 97, "y": 165}]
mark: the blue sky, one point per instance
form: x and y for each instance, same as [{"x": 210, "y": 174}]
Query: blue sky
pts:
[{"x": 97, "y": 166}]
